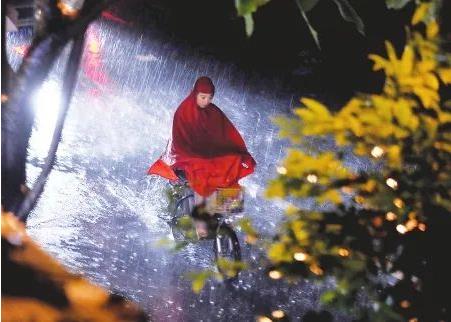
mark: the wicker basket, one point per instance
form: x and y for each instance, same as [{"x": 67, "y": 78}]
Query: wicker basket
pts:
[{"x": 226, "y": 201}]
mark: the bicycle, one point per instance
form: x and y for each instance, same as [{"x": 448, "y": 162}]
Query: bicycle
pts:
[{"x": 211, "y": 220}]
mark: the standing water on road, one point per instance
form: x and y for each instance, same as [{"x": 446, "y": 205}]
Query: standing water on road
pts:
[{"x": 103, "y": 217}]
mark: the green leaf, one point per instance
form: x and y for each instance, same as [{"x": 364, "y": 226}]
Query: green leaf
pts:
[
  {"x": 199, "y": 279},
  {"x": 308, "y": 5},
  {"x": 343, "y": 286},
  {"x": 246, "y": 226},
  {"x": 245, "y": 9},
  {"x": 249, "y": 24},
  {"x": 328, "y": 297},
  {"x": 229, "y": 267},
  {"x": 386, "y": 313},
  {"x": 312, "y": 30},
  {"x": 396, "y": 4},
  {"x": 349, "y": 14},
  {"x": 354, "y": 264}
]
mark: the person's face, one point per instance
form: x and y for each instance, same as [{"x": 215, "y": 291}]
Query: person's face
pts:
[{"x": 203, "y": 99}]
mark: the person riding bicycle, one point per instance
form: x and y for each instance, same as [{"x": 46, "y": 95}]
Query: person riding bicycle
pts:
[{"x": 205, "y": 147}]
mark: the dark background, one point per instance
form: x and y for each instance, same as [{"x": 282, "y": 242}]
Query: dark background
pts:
[{"x": 281, "y": 45}]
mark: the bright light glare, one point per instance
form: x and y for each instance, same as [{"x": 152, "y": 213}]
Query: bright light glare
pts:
[{"x": 46, "y": 105}]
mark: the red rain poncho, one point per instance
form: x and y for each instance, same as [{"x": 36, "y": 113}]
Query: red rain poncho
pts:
[{"x": 205, "y": 145}]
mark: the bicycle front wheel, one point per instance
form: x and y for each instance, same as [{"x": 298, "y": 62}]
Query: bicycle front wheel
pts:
[
  {"x": 226, "y": 246},
  {"x": 181, "y": 218}
]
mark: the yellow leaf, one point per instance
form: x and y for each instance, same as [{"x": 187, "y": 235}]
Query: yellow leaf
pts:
[
  {"x": 330, "y": 195},
  {"x": 406, "y": 62},
  {"x": 352, "y": 106},
  {"x": 304, "y": 114},
  {"x": 425, "y": 66},
  {"x": 429, "y": 98},
  {"x": 400, "y": 133},
  {"x": 370, "y": 185},
  {"x": 431, "y": 81},
  {"x": 319, "y": 109},
  {"x": 278, "y": 253},
  {"x": 333, "y": 228},
  {"x": 444, "y": 146},
  {"x": 339, "y": 123},
  {"x": 410, "y": 81},
  {"x": 300, "y": 233},
  {"x": 384, "y": 131},
  {"x": 370, "y": 117},
  {"x": 381, "y": 63},
  {"x": 360, "y": 149},
  {"x": 432, "y": 29},
  {"x": 290, "y": 128},
  {"x": 444, "y": 117},
  {"x": 389, "y": 88},
  {"x": 404, "y": 115},
  {"x": 445, "y": 75},
  {"x": 420, "y": 13},
  {"x": 199, "y": 278},
  {"x": 391, "y": 53},
  {"x": 383, "y": 107},
  {"x": 431, "y": 126},
  {"x": 275, "y": 189},
  {"x": 355, "y": 126},
  {"x": 319, "y": 246},
  {"x": 341, "y": 139},
  {"x": 198, "y": 285},
  {"x": 291, "y": 210},
  {"x": 315, "y": 216},
  {"x": 394, "y": 156}
]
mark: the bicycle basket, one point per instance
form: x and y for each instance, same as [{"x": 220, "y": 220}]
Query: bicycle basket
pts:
[{"x": 226, "y": 201}]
